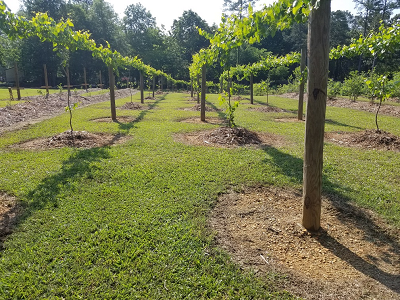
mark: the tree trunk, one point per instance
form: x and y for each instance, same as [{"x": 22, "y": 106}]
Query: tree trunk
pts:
[
  {"x": 112, "y": 93},
  {"x": 301, "y": 92},
  {"x": 85, "y": 79},
  {"x": 17, "y": 81},
  {"x": 141, "y": 88},
  {"x": 203, "y": 93},
  {"x": 46, "y": 81},
  {"x": 191, "y": 88},
  {"x": 68, "y": 98},
  {"x": 318, "y": 58},
  {"x": 221, "y": 85},
  {"x": 251, "y": 89}
]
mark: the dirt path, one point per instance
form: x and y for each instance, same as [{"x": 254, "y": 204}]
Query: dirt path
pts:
[{"x": 37, "y": 108}]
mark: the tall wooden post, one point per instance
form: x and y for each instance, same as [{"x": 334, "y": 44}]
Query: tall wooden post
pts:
[
  {"x": 301, "y": 92},
  {"x": 203, "y": 93},
  {"x": 198, "y": 88},
  {"x": 17, "y": 80},
  {"x": 112, "y": 93},
  {"x": 318, "y": 58},
  {"x": 221, "y": 85},
  {"x": 101, "y": 83},
  {"x": 154, "y": 85},
  {"x": 141, "y": 88},
  {"x": 85, "y": 78},
  {"x": 191, "y": 88},
  {"x": 46, "y": 80},
  {"x": 251, "y": 89}
]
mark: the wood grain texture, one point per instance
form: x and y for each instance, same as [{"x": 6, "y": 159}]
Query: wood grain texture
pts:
[
  {"x": 203, "y": 93},
  {"x": 318, "y": 63}
]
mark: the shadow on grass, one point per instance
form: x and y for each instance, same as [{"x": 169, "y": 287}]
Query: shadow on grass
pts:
[
  {"x": 347, "y": 214},
  {"x": 219, "y": 110},
  {"x": 333, "y": 122},
  {"x": 128, "y": 126},
  {"x": 78, "y": 165}
]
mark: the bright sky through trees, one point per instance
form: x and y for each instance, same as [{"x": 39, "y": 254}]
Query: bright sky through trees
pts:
[{"x": 166, "y": 11}]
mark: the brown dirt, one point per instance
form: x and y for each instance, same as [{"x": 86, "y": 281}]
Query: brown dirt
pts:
[
  {"x": 368, "y": 139},
  {"x": 226, "y": 137},
  {"x": 132, "y": 106},
  {"x": 37, "y": 108},
  {"x": 354, "y": 256},
  {"x": 267, "y": 109},
  {"x": 79, "y": 139},
  {"x": 386, "y": 109},
  {"x": 197, "y": 107},
  {"x": 10, "y": 209},
  {"x": 150, "y": 98}
]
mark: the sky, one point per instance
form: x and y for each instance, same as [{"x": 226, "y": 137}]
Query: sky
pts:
[{"x": 166, "y": 12}]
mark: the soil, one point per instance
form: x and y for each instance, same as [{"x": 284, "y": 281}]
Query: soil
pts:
[
  {"x": 10, "y": 209},
  {"x": 355, "y": 255},
  {"x": 267, "y": 109},
  {"x": 226, "y": 137},
  {"x": 197, "y": 107},
  {"x": 368, "y": 139},
  {"x": 78, "y": 139},
  {"x": 386, "y": 108},
  {"x": 37, "y": 108},
  {"x": 132, "y": 106}
]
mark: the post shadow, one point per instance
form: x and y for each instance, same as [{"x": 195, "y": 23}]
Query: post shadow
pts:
[{"x": 292, "y": 167}]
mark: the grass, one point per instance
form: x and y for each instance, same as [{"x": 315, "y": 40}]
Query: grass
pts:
[
  {"x": 130, "y": 221},
  {"x": 5, "y": 96}
]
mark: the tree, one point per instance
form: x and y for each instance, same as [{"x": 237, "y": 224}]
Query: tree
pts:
[
  {"x": 341, "y": 25},
  {"x": 238, "y": 7},
  {"x": 54, "y": 8}
]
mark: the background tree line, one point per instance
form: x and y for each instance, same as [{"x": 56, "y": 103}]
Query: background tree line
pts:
[{"x": 171, "y": 50}]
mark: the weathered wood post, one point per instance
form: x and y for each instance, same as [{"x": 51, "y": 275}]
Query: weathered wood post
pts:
[
  {"x": 198, "y": 88},
  {"x": 203, "y": 92},
  {"x": 85, "y": 84},
  {"x": 46, "y": 81},
  {"x": 318, "y": 63},
  {"x": 17, "y": 81},
  {"x": 251, "y": 89},
  {"x": 191, "y": 87},
  {"x": 154, "y": 85},
  {"x": 112, "y": 92},
  {"x": 141, "y": 87},
  {"x": 101, "y": 85},
  {"x": 301, "y": 92}
]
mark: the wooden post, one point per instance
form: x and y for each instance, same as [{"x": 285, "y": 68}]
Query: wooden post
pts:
[
  {"x": 301, "y": 92},
  {"x": 203, "y": 93},
  {"x": 154, "y": 85},
  {"x": 251, "y": 89},
  {"x": 112, "y": 93},
  {"x": 161, "y": 84},
  {"x": 198, "y": 88},
  {"x": 11, "y": 93},
  {"x": 101, "y": 85},
  {"x": 191, "y": 88},
  {"x": 17, "y": 81},
  {"x": 85, "y": 79},
  {"x": 221, "y": 85},
  {"x": 141, "y": 87},
  {"x": 318, "y": 63},
  {"x": 46, "y": 80}
]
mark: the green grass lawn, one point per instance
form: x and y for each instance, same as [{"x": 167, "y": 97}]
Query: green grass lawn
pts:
[{"x": 130, "y": 221}]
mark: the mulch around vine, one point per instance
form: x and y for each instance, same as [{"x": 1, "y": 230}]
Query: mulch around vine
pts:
[
  {"x": 10, "y": 209},
  {"x": 267, "y": 109},
  {"x": 132, "y": 106},
  {"x": 355, "y": 255},
  {"x": 78, "y": 139},
  {"x": 227, "y": 137},
  {"x": 368, "y": 139}
]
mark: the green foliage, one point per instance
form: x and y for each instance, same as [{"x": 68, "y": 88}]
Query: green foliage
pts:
[
  {"x": 334, "y": 88},
  {"x": 230, "y": 109},
  {"x": 354, "y": 85}
]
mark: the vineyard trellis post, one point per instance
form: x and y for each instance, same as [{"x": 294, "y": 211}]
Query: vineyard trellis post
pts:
[
  {"x": 203, "y": 92},
  {"x": 318, "y": 63},
  {"x": 154, "y": 85},
  {"x": 141, "y": 87},
  {"x": 112, "y": 92},
  {"x": 17, "y": 81},
  {"x": 46, "y": 80},
  {"x": 198, "y": 88},
  {"x": 85, "y": 79},
  {"x": 251, "y": 89},
  {"x": 301, "y": 92}
]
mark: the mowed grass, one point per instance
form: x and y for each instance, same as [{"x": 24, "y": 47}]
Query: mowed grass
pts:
[{"x": 131, "y": 221}]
